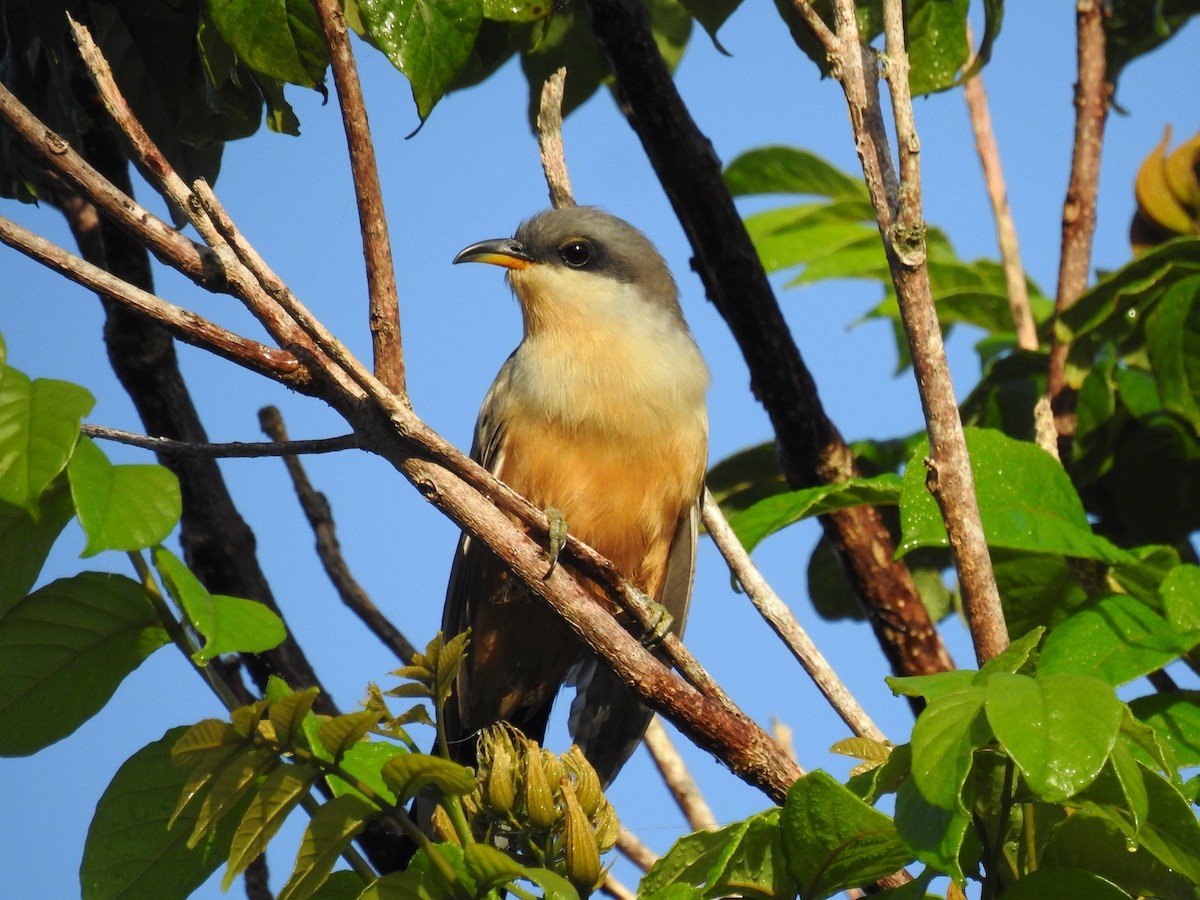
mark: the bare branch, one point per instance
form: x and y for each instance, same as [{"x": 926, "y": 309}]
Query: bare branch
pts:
[
  {"x": 902, "y": 226},
  {"x": 377, "y": 247},
  {"x": 550, "y": 141},
  {"x": 1006, "y": 229},
  {"x": 615, "y": 889},
  {"x": 1092, "y": 96},
  {"x": 229, "y": 450},
  {"x": 193, "y": 260},
  {"x": 635, "y": 851},
  {"x": 678, "y": 779},
  {"x": 784, "y": 623},
  {"x": 279, "y": 365},
  {"x": 320, "y": 517}
]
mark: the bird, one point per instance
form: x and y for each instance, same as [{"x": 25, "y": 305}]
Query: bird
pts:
[{"x": 600, "y": 414}]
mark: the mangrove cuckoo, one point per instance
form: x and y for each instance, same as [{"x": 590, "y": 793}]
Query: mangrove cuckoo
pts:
[{"x": 600, "y": 414}]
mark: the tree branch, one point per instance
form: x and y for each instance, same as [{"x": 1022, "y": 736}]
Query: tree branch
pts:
[
  {"x": 784, "y": 623},
  {"x": 229, "y": 450},
  {"x": 377, "y": 247},
  {"x": 1092, "y": 96},
  {"x": 320, "y": 517},
  {"x": 902, "y": 226},
  {"x": 810, "y": 448},
  {"x": 678, "y": 779},
  {"x": 550, "y": 140},
  {"x": 278, "y": 365},
  {"x": 1006, "y": 229}
]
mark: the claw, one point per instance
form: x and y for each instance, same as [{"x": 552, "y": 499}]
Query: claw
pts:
[
  {"x": 660, "y": 621},
  {"x": 557, "y": 533}
]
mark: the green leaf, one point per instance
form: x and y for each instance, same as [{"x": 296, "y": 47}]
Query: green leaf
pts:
[
  {"x": 1115, "y": 638},
  {"x": 409, "y": 773},
  {"x": 1133, "y": 28},
  {"x": 490, "y": 868},
  {"x": 789, "y": 170},
  {"x": 229, "y": 624},
  {"x": 711, "y": 14},
  {"x": 1026, "y": 502},
  {"x": 1016, "y": 656},
  {"x": 39, "y": 424},
  {"x": 936, "y": 37},
  {"x": 1180, "y": 591},
  {"x": 269, "y": 807},
  {"x": 364, "y": 761},
  {"x": 1173, "y": 345},
  {"x": 430, "y": 42},
  {"x": 935, "y": 835},
  {"x": 340, "y": 733},
  {"x": 833, "y": 840},
  {"x": 773, "y": 514},
  {"x": 63, "y": 651},
  {"x": 26, "y": 539},
  {"x": 408, "y": 885},
  {"x": 279, "y": 38},
  {"x": 740, "y": 480},
  {"x": 1177, "y": 719},
  {"x": 205, "y": 749},
  {"x": 1064, "y": 884},
  {"x": 944, "y": 739},
  {"x": 932, "y": 686},
  {"x": 1090, "y": 842},
  {"x": 130, "y": 854},
  {"x": 341, "y": 885},
  {"x": 230, "y": 789},
  {"x": 1059, "y": 729},
  {"x": 287, "y": 714},
  {"x": 516, "y": 10},
  {"x": 121, "y": 507},
  {"x": 746, "y": 854}
]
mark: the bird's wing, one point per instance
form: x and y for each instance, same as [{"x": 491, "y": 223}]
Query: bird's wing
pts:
[
  {"x": 607, "y": 719},
  {"x": 467, "y": 571}
]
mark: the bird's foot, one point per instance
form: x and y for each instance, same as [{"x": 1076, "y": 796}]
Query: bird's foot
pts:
[
  {"x": 556, "y": 532},
  {"x": 657, "y": 619}
]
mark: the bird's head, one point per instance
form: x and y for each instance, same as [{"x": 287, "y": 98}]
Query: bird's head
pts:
[{"x": 579, "y": 264}]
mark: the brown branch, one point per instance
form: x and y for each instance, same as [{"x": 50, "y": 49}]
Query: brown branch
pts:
[
  {"x": 377, "y": 247},
  {"x": 278, "y": 365},
  {"x": 320, "y": 517},
  {"x": 1092, "y": 96},
  {"x": 811, "y": 450},
  {"x": 901, "y": 224},
  {"x": 784, "y": 623},
  {"x": 1006, "y": 229},
  {"x": 550, "y": 141},
  {"x": 678, "y": 779},
  {"x": 615, "y": 889},
  {"x": 635, "y": 851},
  {"x": 228, "y": 450}
]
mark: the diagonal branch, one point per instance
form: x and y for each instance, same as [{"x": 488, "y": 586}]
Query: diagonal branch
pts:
[
  {"x": 377, "y": 248},
  {"x": 227, "y": 450}
]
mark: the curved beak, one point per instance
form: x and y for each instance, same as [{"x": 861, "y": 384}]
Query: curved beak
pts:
[{"x": 505, "y": 252}]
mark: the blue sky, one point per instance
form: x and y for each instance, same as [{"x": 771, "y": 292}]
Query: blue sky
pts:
[{"x": 473, "y": 173}]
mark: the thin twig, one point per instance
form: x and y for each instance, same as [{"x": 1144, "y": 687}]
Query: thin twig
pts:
[
  {"x": 550, "y": 140},
  {"x": 1006, "y": 229},
  {"x": 784, "y": 623},
  {"x": 377, "y": 247},
  {"x": 1092, "y": 95},
  {"x": 279, "y": 365},
  {"x": 615, "y": 889},
  {"x": 678, "y": 779},
  {"x": 228, "y": 450},
  {"x": 320, "y": 517},
  {"x": 635, "y": 851}
]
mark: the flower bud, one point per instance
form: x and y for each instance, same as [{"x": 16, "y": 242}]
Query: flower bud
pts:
[
  {"x": 581, "y": 856},
  {"x": 540, "y": 808}
]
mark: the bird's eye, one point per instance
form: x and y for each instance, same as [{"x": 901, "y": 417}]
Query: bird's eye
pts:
[{"x": 576, "y": 254}]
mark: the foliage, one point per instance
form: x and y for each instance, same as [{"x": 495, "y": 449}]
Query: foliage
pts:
[{"x": 1031, "y": 775}]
